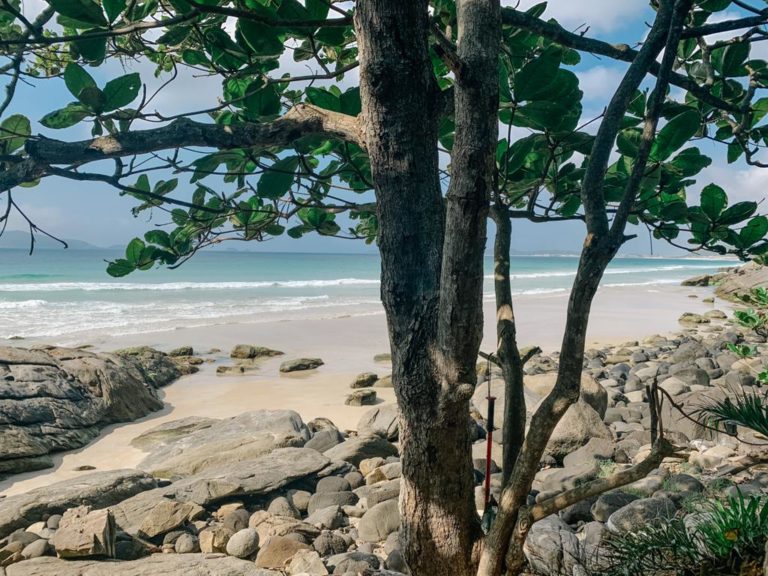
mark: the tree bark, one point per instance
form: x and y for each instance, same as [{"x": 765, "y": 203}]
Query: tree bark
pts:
[
  {"x": 431, "y": 281},
  {"x": 507, "y": 351}
]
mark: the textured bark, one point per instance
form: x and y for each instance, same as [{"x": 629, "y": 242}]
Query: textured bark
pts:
[
  {"x": 507, "y": 350},
  {"x": 431, "y": 281}
]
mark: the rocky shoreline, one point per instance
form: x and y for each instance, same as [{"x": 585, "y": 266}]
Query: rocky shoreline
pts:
[{"x": 265, "y": 493}]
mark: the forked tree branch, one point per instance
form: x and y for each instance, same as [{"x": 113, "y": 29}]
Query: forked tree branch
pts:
[{"x": 302, "y": 120}]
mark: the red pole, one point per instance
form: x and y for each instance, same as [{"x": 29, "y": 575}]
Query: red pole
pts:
[{"x": 491, "y": 405}]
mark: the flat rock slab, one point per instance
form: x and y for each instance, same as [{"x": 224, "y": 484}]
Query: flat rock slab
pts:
[
  {"x": 99, "y": 490},
  {"x": 164, "y": 564},
  {"x": 190, "y": 446}
]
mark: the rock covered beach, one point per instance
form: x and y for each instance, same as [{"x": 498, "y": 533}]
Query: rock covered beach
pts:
[{"x": 267, "y": 493}]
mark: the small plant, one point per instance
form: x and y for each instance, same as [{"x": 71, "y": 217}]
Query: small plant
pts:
[
  {"x": 742, "y": 350},
  {"x": 748, "y": 410},
  {"x": 756, "y": 317},
  {"x": 736, "y": 529},
  {"x": 606, "y": 468}
]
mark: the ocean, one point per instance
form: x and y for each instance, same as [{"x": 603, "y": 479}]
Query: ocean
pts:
[{"x": 66, "y": 296}]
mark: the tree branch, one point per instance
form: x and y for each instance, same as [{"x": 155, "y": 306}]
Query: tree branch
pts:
[{"x": 302, "y": 120}]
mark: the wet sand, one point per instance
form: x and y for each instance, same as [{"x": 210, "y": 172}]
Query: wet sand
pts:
[{"x": 347, "y": 346}]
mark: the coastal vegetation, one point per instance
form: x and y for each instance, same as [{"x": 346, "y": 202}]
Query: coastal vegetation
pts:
[{"x": 407, "y": 133}]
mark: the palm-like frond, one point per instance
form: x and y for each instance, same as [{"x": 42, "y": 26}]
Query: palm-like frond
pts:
[{"x": 747, "y": 409}]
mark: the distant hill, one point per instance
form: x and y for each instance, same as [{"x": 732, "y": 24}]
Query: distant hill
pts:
[{"x": 18, "y": 240}]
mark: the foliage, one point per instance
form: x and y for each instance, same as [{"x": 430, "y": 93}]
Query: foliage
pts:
[
  {"x": 747, "y": 409},
  {"x": 246, "y": 193},
  {"x": 727, "y": 535}
]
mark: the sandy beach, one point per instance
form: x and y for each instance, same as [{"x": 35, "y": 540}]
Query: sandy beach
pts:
[{"x": 347, "y": 346}]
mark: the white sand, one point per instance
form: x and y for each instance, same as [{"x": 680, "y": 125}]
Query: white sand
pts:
[{"x": 347, "y": 346}]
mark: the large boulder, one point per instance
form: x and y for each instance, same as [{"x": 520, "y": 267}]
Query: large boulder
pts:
[
  {"x": 55, "y": 399},
  {"x": 354, "y": 450},
  {"x": 740, "y": 280},
  {"x": 592, "y": 391},
  {"x": 165, "y": 564},
  {"x": 480, "y": 402},
  {"x": 99, "y": 489},
  {"x": 641, "y": 513},
  {"x": 83, "y": 533},
  {"x": 579, "y": 424},
  {"x": 380, "y": 421},
  {"x": 190, "y": 446},
  {"x": 552, "y": 548},
  {"x": 379, "y": 521}
]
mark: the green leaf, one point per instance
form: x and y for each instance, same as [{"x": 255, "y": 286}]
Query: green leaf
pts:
[
  {"x": 73, "y": 113},
  {"x": 93, "y": 98},
  {"x": 729, "y": 61},
  {"x": 675, "y": 134},
  {"x": 737, "y": 213},
  {"x": 159, "y": 237},
  {"x": 261, "y": 101},
  {"x": 77, "y": 79},
  {"x": 92, "y": 49},
  {"x": 318, "y": 9},
  {"x": 535, "y": 78},
  {"x": 713, "y": 201},
  {"x": 754, "y": 231},
  {"x": 179, "y": 217},
  {"x": 121, "y": 91},
  {"x": 134, "y": 249},
  {"x": 324, "y": 99},
  {"x": 120, "y": 268},
  {"x": 261, "y": 39},
  {"x": 278, "y": 178},
  {"x": 84, "y": 11},
  {"x": 113, "y": 8},
  {"x": 14, "y": 131}
]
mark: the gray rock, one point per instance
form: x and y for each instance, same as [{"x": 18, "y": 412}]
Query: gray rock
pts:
[
  {"x": 559, "y": 479},
  {"x": 277, "y": 552},
  {"x": 353, "y": 450},
  {"x": 187, "y": 544},
  {"x": 300, "y": 364},
  {"x": 594, "y": 449},
  {"x": 323, "y": 440},
  {"x": 364, "y": 380},
  {"x": 325, "y": 499},
  {"x": 380, "y": 421},
  {"x": 268, "y": 525},
  {"x": 247, "y": 352},
  {"x": 243, "y": 544},
  {"x": 36, "y": 549},
  {"x": 194, "y": 446},
  {"x": 307, "y": 563},
  {"x": 329, "y": 543},
  {"x": 328, "y": 518},
  {"x": 281, "y": 506},
  {"x": 361, "y": 397},
  {"x": 579, "y": 424},
  {"x": 381, "y": 492},
  {"x": 354, "y": 562},
  {"x": 333, "y": 484},
  {"x": 379, "y": 521},
  {"x": 640, "y": 513},
  {"x": 683, "y": 483},
  {"x": 165, "y": 564},
  {"x": 609, "y": 503},
  {"x": 168, "y": 515},
  {"x": 552, "y": 548},
  {"x": 99, "y": 489}
]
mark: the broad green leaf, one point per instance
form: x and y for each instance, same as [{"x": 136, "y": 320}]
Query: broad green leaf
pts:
[
  {"x": 262, "y": 101},
  {"x": 737, "y": 213},
  {"x": 278, "y": 178},
  {"x": 713, "y": 201},
  {"x": 537, "y": 76},
  {"x": 754, "y": 231},
  {"x": 113, "y": 8},
  {"x": 729, "y": 60},
  {"x": 93, "y": 98},
  {"x": 133, "y": 250},
  {"x": 120, "y": 268},
  {"x": 84, "y": 11},
  {"x": 324, "y": 99},
  {"x": 92, "y": 49},
  {"x": 675, "y": 134},
  {"x": 318, "y": 9},
  {"x": 73, "y": 113},
  {"x": 14, "y": 131},
  {"x": 515, "y": 156},
  {"x": 76, "y": 79},
  {"x": 121, "y": 91},
  {"x": 261, "y": 39},
  {"x": 159, "y": 237}
]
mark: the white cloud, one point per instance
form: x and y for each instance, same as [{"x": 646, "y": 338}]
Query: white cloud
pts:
[
  {"x": 745, "y": 183},
  {"x": 599, "y": 82},
  {"x": 599, "y": 15}
]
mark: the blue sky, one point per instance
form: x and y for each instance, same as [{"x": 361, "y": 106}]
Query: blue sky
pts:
[{"x": 97, "y": 214}]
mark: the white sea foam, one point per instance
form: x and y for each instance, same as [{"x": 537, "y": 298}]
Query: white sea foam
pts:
[{"x": 177, "y": 286}]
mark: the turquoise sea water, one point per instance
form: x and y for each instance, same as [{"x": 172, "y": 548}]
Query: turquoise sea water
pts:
[{"x": 63, "y": 294}]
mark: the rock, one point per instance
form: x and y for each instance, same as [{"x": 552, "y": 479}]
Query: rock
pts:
[
  {"x": 168, "y": 515},
  {"x": 640, "y": 513},
  {"x": 157, "y": 564},
  {"x": 186, "y": 447},
  {"x": 56, "y": 399},
  {"x": 353, "y": 563},
  {"x": 364, "y": 380},
  {"x": 187, "y": 544},
  {"x": 329, "y": 543},
  {"x": 99, "y": 489},
  {"x": 268, "y": 525},
  {"x": 559, "y": 479},
  {"x": 610, "y": 502},
  {"x": 300, "y": 364},
  {"x": 307, "y": 563},
  {"x": 214, "y": 539},
  {"x": 739, "y": 281},
  {"x": 594, "y": 449},
  {"x": 332, "y": 484},
  {"x": 84, "y": 533},
  {"x": 236, "y": 370},
  {"x": 363, "y": 397},
  {"x": 380, "y": 421},
  {"x": 277, "y": 552},
  {"x": 281, "y": 506},
  {"x": 323, "y": 440},
  {"x": 674, "y": 386},
  {"x": 683, "y": 483},
  {"x": 379, "y": 521},
  {"x": 396, "y": 561},
  {"x": 383, "y": 357},
  {"x": 384, "y": 382},
  {"x": 36, "y": 549},
  {"x": 591, "y": 390},
  {"x": 579, "y": 424},
  {"x": 325, "y": 499},
  {"x": 381, "y": 492},
  {"x": 182, "y": 351},
  {"x": 328, "y": 518},
  {"x": 235, "y": 520},
  {"x": 247, "y": 352},
  {"x": 712, "y": 458},
  {"x": 552, "y": 548},
  {"x": 300, "y": 499},
  {"x": 243, "y": 544},
  {"x": 703, "y": 280},
  {"x": 353, "y": 450},
  {"x": 691, "y": 318}
]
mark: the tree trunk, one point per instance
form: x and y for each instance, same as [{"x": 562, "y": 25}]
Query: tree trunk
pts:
[
  {"x": 507, "y": 351},
  {"x": 431, "y": 282}
]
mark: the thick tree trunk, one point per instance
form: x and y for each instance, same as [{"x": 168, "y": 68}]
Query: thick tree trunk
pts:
[
  {"x": 507, "y": 351},
  {"x": 431, "y": 282}
]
